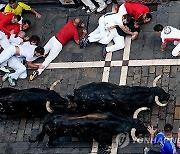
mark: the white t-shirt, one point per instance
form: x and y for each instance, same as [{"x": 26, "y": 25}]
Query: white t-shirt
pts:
[
  {"x": 170, "y": 34},
  {"x": 15, "y": 40},
  {"x": 27, "y": 51},
  {"x": 112, "y": 20}
]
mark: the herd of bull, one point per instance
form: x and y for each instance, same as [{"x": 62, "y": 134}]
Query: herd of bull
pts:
[{"x": 96, "y": 111}]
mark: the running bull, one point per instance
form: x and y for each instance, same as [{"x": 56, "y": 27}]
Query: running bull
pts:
[
  {"x": 110, "y": 97},
  {"x": 30, "y": 101},
  {"x": 98, "y": 126}
]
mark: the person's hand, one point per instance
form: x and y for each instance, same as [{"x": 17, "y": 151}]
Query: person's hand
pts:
[
  {"x": 40, "y": 66},
  {"x": 12, "y": 32},
  {"x": 38, "y": 15},
  {"x": 163, "y": 46},
  {"x": 151, "y": 130},
  {"x": 84, "y": 31},
  {"x": 82, "y": 25},
  {"x": 26, "y": 38}
]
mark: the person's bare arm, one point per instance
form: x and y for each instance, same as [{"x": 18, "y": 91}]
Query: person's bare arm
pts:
[
  {"x": 38, "y": 15},
  {"x": 30, "y": 64},
  {"x": 163, "y": 46},
  {"x": 152, "y": 132},
  {"x": 126, "y": 30}
]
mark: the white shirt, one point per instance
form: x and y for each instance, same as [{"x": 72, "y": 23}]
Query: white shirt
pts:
[
  {"x": 170, "y": 34},
  {"x": 27, "y": 51}
]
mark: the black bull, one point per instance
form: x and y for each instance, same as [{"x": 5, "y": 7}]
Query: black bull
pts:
[
  {"x": 88, "y": 98},
  {"x": 99, "y": 126},
  {"x": 110, "y": 97}
]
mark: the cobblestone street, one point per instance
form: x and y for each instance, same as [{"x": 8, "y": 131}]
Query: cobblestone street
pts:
[{"x": 136, "y": 65}]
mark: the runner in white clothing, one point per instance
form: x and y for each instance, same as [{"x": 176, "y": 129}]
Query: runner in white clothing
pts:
[{"x": 169, "y": 34}]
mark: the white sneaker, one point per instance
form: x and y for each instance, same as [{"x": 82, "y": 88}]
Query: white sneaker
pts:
[
  {"x": 109, "y": 2},
  {"x": 83, "y": 8},
  {"x": 11, "y": 82},
  {"x": 102, "y": 7},
  {"x": 4, "y": 78},
  {"x": 2, "y": 68}
]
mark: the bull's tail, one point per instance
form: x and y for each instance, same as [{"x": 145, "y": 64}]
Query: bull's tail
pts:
[{"x": 39, "y": 138}]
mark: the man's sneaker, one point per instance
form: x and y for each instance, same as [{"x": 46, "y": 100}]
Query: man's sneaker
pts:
[
  {"x": 108, "y": 2},
  {"x": 84, "y": 42},
  {"x": 102, "y": 7},
  {"x": 2, "y": 68},
  {"x": 34, "y": 75},
  {"x": 4, "y": 78},
  {"x": 104, "y": 52},
  {"x": 11, "y": 82},
  {"x": 83, "y": 8}
]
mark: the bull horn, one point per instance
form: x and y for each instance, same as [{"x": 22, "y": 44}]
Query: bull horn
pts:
[
  {"x": 48, "y": 107},
  {"x": 133, "y": 130},
  {"x": 158, "y": 102},
  {"x": 139, "y": 110},
  {"x": 156, "y": 80},
  {"x": 54, "y": 84}
]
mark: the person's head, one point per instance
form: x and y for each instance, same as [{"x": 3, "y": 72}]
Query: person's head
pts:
[
  {"x": 21, "y": 34},
  {"x": 15, "y": 19},
  {"x": 34, "y": 40},
  {"x": 126, "y": 18},
  {"x": 26, "y": 24},
  {"x": 77, "y": 22},
  {"x": 13, "y": 4},
  {"x": 138, "y": 23},
  {"x": 39, "y": 51},
  {"x": 147, "y": 17},
  {"x": 168, "y": 129},
  {"x": 158, "y": 28}
]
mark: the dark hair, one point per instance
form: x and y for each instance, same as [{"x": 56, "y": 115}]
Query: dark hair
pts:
[
  {"x": 148, "y": 15},
  {"x": 128, "y": 18},
  {"x": 140, "y": 21},
  {"x": 168, "y": 128},
  {"x": 27, "y": 22},
  {"x": 18, "y": 17},
  {"x": 12, "y": 1},
  {"x": 35, "y": 39},
  {"x": 40, "y": 50},
  {"x": 158, "y": 27}
]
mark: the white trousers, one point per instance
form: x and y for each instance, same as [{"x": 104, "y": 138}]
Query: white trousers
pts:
[
  {"x": 99, "y": 32},
  {"x": 176, "y": 50},
  {"x": 122, "y": 10},
  {"x": 53, "y": 47},
  {"x": 16, "y": 63},
  {"x": 7, "y": 53},
  {"x": 4, "y": 42},
  {"x": 91, "y": 5},
  {"x": 117, "y": 39}
]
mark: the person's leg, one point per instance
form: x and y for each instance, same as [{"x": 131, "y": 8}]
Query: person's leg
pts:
[
  {"x": 118, "y": 44},
  {"x": 109, "y": 37},
  {"x": 122, "y": 10},
  {"x": 56, "y": 47},
  {"x": 4, "y": 42},
  {"x": 176, "y": 50},
  {"x": 102, "y": 5},
  {"x": 20, "y": 70},
  {"x": 47, "y": 46},
  {"x": 7, "y": 53},
  {"x": 90, "y": 4}
]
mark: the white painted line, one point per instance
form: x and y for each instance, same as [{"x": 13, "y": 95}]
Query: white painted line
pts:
[
  {"x": 105, "y": 76},
  {"x": 94, "y": 149},
  {"x": 127, "y": 47},
  {"x": 76, "y": 64},
  {"x": 116, "y": 63},
  {"x": 156, "y": 62},
  {"x": 123, "y": 77}
]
